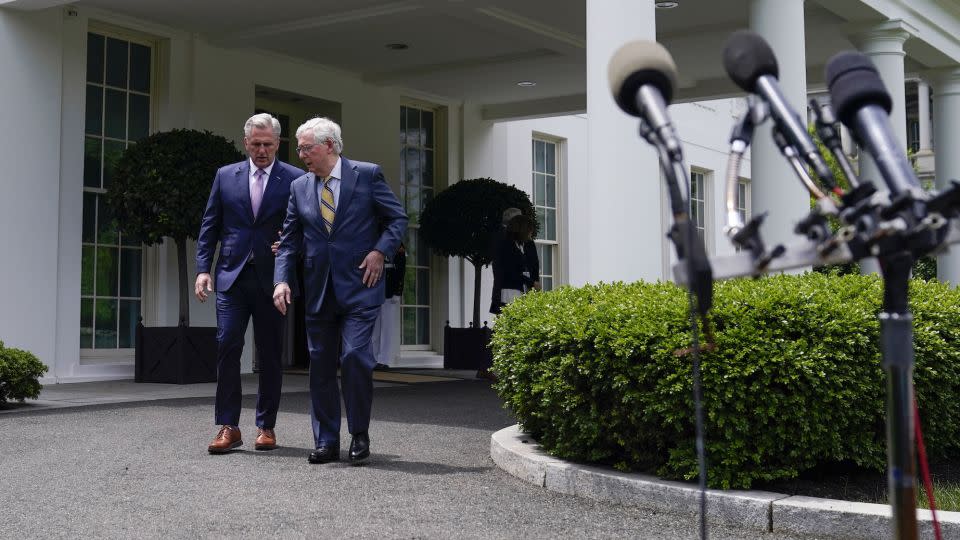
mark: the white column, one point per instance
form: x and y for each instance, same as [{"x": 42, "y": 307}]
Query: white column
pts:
[
  {"x": 883, "y": 43},
  {"x": 774, "y": 187},
  {"x": 946, "y": 115},
  {"x": 923, "y": 117},
  {"x": 619, "y": 203}
]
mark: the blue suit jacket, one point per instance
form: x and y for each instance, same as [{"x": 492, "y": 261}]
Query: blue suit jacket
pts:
[
  {"x": 368, "y": 217},
  {"x": 229, "y": 219}
]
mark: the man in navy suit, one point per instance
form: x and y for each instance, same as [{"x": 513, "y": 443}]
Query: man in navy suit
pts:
[
  {"x": 342, "y": 219},
  {"x": 245, "y": 210}
]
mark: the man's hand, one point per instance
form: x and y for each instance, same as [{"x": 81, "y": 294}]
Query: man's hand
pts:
[
  {"x": 203, "y": 285},
  {"x": 537, "y": 286},
  {"x": 275, "y": 247},
  {"x": 281, "y": 297},
  {"x": 372, "y": 267}
]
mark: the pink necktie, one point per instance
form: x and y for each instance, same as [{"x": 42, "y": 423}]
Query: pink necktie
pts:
[{"x": 256, "y": 192}]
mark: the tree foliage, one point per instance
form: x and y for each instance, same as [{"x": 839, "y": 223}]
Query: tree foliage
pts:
[
  {"x": 462, "y": 220},
  {"x": 161, "y": 184}
]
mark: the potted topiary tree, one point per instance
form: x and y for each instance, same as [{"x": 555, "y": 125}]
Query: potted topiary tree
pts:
[
  {"x": 463, "y": 221},
  {"x": 159, "y": 191}
]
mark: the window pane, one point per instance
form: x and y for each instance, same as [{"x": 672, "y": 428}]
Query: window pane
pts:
[
  {"x": 547, "y": 283},
  {"x": 116, "y": 114},
  {"x": 140, "y": 118},
  {"x": 541, "y": 223},
  {"x": 546, "y": 260},
  {"x": 403, "y": 127},
  {"x": 94, "y": 58},
  {"x": 551, "y": 157},
  {"x": 105, "y": 336},
  {"x": 86, "y": 323},
  {"x": 94, "y": 118},
  {"x": 106, "y": 272},
  {"x": 130, "y": 272},
  {"x": 412, "y": 203},
  {"x": 427, "y": 162},
  {"x": 428, "y": 129},
  {"x": 129, "y": 239},
  {"x": 539, "y": 155},
  {"x": 412, "y": 164},
  {"x": 539, "y": 189},
  {"x": 106, "y": 226},
  {"x": 409, "y": 326},
  {"x": 551, "y": 232},
  {"x": 91, "y": 162},
  {"x": 423, "y": 252},
  {"x": 87, "y": 260},
  {"x": 139, "y": 68},
  {"x": 112, "y": 151},
  {"x": 409, "y": 287},
  {"x": 89, "y": 217},
  {"x": 423, "y": 326},
  {"x": 423, "y": 287},
  {"x": 117, "y": 62},
  {"x": 413, "y": 127},
  {"x": 551, "y": 196},
  {"x": 129, "y": 315}
]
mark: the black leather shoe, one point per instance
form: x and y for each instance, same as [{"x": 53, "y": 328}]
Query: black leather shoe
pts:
[
  {"x": 325, "y": 454},
  {"x": 359, "y": 448}
]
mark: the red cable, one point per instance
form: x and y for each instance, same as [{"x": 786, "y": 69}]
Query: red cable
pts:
[{"x": 925, "y": 469}]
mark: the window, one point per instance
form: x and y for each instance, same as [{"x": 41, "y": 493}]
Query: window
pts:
[
  {"x": 119, "y": 81},
  {"x": 743, "y": 199},
  {"x": 545, "y": 204},
  {"x": 913, "y": 135},
  {"x": 698, "y": 203},
  {"x": 417, "y": 165}
]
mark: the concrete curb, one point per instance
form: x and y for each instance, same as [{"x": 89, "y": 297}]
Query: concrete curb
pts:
[{"x": 518, "y": 454}]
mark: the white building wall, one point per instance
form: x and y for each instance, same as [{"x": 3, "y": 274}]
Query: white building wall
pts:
[{"x": 31, "y": 63}]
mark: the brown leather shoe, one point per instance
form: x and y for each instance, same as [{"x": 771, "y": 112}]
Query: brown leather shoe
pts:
[
  {"x": 226, "y": 440},
  {"x": 266, "y": 439}
]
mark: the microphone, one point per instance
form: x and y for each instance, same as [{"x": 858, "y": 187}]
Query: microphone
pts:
[
  {"x": 862, "y": 103},
  {"x": 751, "y": 64},
  {"x": 642, "y": 75}
]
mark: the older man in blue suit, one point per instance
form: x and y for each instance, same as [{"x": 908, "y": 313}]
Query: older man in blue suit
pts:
[
  {"x": 342, "y": 219},
  {"x": 244, "y": 212}
]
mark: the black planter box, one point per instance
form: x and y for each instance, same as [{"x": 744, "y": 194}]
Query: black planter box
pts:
[
  {"x": 467, "y": 348},
  {"x": 176, "y": 355}
]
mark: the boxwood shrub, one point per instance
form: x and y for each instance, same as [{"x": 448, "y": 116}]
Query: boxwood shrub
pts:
[
  {"x": 19, "y": 374},
  {"x": 597, "y": 374}
]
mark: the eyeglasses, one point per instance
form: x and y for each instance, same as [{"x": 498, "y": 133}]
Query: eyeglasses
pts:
[{"x": 308, "y": 147}]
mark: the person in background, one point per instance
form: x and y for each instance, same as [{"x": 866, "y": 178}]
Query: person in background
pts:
[
  {"x": 516, "y": 266},
  {"x": 386, "y": 331}
]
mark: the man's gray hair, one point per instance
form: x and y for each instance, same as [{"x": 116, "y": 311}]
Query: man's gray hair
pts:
[
  {"x": 262, "y": 121},
  {"x": 323, "y": 129}
]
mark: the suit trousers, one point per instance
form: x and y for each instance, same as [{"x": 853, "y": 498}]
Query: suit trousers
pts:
[
  {"x": 246, "y": 298},
  {"x": 340, "y": 337}
]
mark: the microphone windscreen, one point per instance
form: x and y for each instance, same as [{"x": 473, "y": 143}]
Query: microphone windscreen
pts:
[
  {"x": 747, "y": 57},
  {"x": 853, "y": 81},
  {"x": 636, "y": 64}
]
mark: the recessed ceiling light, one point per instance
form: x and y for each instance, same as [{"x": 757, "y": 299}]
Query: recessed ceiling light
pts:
[
  {"x": 526, "y": 84},
  {"x": 397, "y": 46},
  {"x": 666, "y": 5}
]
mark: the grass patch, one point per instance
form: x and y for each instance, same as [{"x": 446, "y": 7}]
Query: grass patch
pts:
[{"x": 946, "y": 495}]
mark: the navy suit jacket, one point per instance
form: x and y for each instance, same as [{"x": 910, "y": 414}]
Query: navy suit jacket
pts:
[
  {"x": 229, "y": 219},
  {"x": 368, "y": 217}
]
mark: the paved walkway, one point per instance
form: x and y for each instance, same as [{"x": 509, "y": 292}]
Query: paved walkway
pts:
[{"x": 120, "y": 460}]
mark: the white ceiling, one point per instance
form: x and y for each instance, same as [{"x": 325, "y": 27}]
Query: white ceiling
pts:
[{"x": 477, "y": 49}]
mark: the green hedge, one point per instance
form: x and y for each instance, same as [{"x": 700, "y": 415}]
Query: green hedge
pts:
[
  {"x": 795, "y": 380},
  {"x": 19, "y": 374}
]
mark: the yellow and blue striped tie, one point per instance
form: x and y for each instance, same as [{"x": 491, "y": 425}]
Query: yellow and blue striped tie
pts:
[{"x": 328, "y": 208}]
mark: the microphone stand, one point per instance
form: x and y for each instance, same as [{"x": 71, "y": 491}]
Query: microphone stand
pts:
[
  {"x": 693, "y": 256},
  {"x": 897, "y": 232}
]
